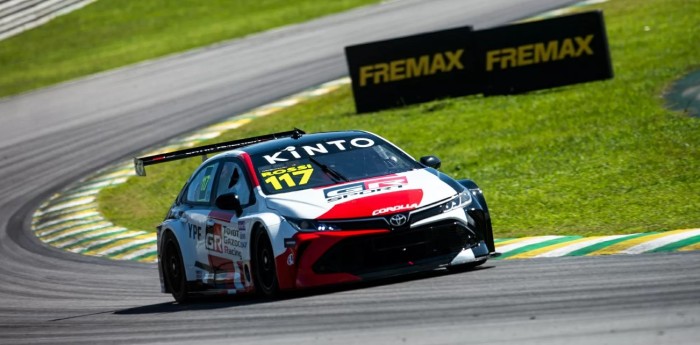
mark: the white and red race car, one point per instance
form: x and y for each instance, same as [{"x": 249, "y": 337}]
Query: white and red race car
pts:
[{"x": 293, "y": 210}]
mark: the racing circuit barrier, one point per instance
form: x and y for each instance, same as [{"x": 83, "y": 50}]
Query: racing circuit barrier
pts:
[
  {"x": 457, "y": 62},
  {"x": 17, "y": 16}
]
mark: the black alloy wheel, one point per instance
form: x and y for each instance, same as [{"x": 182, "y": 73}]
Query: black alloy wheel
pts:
[
  {"x": 265, "y": 274},
  {"x": 174, "y": 269}
]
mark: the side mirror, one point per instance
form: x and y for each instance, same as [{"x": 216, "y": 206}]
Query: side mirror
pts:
[
  {"x": 431, "y": 161},
  {"x": 229, "y": 202}
]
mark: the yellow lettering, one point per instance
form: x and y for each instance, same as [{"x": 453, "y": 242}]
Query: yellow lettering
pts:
[
  {"x": 510, "y": 58},
  {"x": 438, "y": 64},
  {"x": 491, "y": 58},
  {"x": 365, "y": 73},
  {"x": 383, "y": 73},
  {"x": 540, "y": 52},
  {"x": 567, "y": 49},
  {"x": 584, "y": 45},
  {"x": 411, "y": 67},
  {"x": 417, "y": 68},
  {"x": 454, "y": 59},
  {"x": 305, "y": 176},
  {"x": 543, "y": 54},
  {"x": 525, "y": 55},
  {"x": 397, "y": 69}
]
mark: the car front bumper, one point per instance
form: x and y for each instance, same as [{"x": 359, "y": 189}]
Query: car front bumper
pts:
[{"x": 332, "y": 257}]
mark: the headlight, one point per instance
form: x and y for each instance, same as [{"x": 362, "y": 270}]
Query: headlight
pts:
[
  {"x": 458, "y": 201},
  {"x": 307, "y": 225}
]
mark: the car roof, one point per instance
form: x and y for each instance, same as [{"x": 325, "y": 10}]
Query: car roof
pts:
[{"x": 278, "y": 144}]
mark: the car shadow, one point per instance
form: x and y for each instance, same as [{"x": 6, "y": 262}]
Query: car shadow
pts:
[{"x": 232, "y": 301}]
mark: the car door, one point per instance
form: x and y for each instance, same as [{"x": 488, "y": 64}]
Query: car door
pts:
[
  {"x": 228, "y": 245},
  {"x": 196, "y": 204}
]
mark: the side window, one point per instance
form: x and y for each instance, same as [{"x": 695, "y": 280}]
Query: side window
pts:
[
  {"x": 199, "y": 190},
  {"x": 232, "y": 179}
]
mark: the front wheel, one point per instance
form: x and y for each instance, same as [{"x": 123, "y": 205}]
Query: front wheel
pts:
[
  {"x": 264, "y": 272},
  {"x": 174, "y": 269}
]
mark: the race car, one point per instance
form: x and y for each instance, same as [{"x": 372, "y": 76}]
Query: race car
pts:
[{"x": 292, "y": 210}]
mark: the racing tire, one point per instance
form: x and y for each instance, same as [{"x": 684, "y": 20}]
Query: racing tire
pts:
[
  {"x": 264, "y": 271},
  {"x": 174, "y": 269}
]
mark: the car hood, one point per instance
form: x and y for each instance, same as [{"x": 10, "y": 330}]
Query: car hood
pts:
[{"x": 377, "y": 196}]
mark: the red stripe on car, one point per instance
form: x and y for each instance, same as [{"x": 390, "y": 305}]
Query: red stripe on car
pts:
[
  {"x": 251, "y": 169},
  {"x": 221, "y": 215},
  {"x": 376, "y": 205}
]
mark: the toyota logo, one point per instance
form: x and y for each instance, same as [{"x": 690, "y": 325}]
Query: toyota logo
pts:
[{"x": 398, "y": 219}]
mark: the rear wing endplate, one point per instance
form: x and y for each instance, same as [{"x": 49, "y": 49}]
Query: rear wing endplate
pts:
[{"x": 141, "y": 163}]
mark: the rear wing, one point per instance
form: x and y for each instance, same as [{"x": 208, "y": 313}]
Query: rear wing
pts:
[{"x": 141, "y": 163}]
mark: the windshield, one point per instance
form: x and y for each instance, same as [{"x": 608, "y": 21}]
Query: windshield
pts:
[{"x": 330, "y": 162}]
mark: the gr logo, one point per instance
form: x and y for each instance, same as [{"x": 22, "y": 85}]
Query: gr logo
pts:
[{"x": 213, "y": 238}]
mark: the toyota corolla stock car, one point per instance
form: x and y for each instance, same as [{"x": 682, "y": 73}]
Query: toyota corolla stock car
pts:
[{"x": 292, "y": 210}]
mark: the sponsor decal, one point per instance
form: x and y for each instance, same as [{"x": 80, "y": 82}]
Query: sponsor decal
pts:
[
  {"x": 364, "y": 188},
  {"x": 394, "y": 209},
  {"x": 235, "y": 240},
  {"x": 194, "y": 232},
  {"x": 540, "y": 52},
  {"x": 386, "y": 182},
  {"x": 412, "y": 67},
  {"x": 504, "y": 60},
  {"x": 292, "y": 152},
  {"x": 290, "y": 259},
  {"x": 226, "y": 240},
  {"x": 288, "y": 177},
  {"x": 364, "y": 206}
]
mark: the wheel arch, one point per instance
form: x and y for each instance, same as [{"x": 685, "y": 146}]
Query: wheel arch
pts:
[
  {"x": 187, "y": 250},
  {"x": 485, "y": 227}
]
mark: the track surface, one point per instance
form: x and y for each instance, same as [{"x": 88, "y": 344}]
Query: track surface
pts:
[{"x": 51, "y": 137}]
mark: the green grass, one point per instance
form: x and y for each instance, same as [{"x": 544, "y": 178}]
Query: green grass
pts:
[
  {"x": 109, "y": 34},
  {"x": 590, "y": 159}
]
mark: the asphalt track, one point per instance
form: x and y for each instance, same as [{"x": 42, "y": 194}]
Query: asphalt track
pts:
[{"x": 54, "y": 136}]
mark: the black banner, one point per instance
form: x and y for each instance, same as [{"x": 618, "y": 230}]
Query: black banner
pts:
[
  {"x": 412, "y": 69},
  {"x": 543, "y": 54},
  {"x": 457, "y": 62}
]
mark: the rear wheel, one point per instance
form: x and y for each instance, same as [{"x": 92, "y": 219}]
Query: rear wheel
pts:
[
  {"x": 264, "y": 272},
  {"x": 174, "y": 269}
]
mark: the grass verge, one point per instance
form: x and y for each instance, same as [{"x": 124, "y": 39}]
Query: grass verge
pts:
[
  {"x": 109, "y": 34},
  {"x": 591, "y": 159}
]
